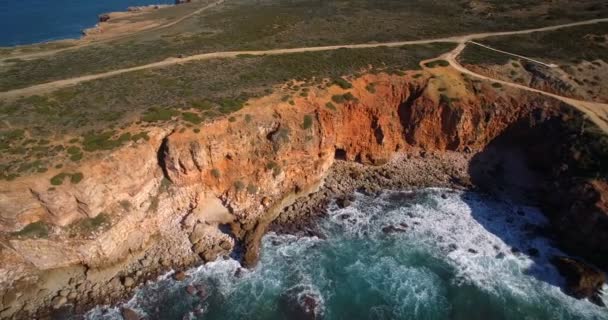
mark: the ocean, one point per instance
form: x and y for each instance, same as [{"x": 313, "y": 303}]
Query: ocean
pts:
[
  {"x": 32, "y": 21},
  {"x": 423, "y": 254}
]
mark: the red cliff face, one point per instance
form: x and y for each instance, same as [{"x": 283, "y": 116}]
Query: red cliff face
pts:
[{"x": 243, "y": 169}]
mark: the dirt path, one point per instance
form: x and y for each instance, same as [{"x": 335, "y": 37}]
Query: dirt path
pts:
[
  {"x": 597, "y": 112},
  {"x": 550, "y": 65}
]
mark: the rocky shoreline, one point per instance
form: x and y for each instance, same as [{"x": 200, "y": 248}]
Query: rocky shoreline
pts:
[
  {"x": 416, "y": 169},
  {"x": 412, "y": 170}
]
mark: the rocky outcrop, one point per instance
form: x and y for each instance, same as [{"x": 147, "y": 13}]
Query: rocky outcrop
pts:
[{"x": 582, "y": 279}]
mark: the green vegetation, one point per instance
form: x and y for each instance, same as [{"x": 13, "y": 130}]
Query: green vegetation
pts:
[
  {"x": 307, "y": 123},
  {"x": 342, "y": 83},
  {"x": 192, "y": 117},
  {"x": 330, "y": 106},
  {"x": 371, "y": 87},
  {"x": 261, "y": 25},
  {"x": 275, "y": 168},
  {"x": 213, "y": 87},
  {"x": 58, "y": 179},
  {"x": 349, "y": 97},
  {"x": 437, "y": 63},
  {"x": 239, "y": 185},
  {"x": 559, "y": 47},
  {"x": 89, "y": 225},
  {"x": 94, "y": 141},
  {"x": 76, "y": 177},
  {"x": 337, "y": 98},
  {"x": 37, "y": 229},
  {"x": 125, "y": 205},
  {"x": 252, "y": 189},
  {"x": 157, "y": 114},
  {"x": 216, "y": 173},
  {"x": 341, "y": 98}
]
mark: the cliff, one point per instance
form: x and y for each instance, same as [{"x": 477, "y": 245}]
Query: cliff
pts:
[{"x": 191, "y": 193}]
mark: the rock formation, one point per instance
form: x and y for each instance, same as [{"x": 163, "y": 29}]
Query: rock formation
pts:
[{"x": 187, "y": 196}]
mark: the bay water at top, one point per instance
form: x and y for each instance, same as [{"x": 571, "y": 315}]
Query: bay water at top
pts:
[{"x": 32, "y": 21}]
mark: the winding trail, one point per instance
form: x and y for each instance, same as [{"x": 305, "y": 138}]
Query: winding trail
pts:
[{"x": 597, "y": 112}]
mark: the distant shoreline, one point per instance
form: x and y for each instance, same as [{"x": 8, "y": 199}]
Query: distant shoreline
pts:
[{"x": 66, "y": 30}]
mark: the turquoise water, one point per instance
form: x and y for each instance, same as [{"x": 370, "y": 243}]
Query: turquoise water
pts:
[
  {"x": 31, "y": 21},
  {"x": 455, "y": 260}
]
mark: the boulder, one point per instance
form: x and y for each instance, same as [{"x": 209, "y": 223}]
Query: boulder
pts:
[
  {"x": 343, "y": 202},
  {"x": 392, "y": 229},
  {"x": 104, "y": 17},
  {"x": 179, "y": 276},
  {"x": 129, "y": 314},
  {"x": 128, "y": 281},
  {"x": 197, "y": 233},
  {"x": 582, "y": 280},
  {"x": 59, "y": 301},
  {"x": 191, "y": 290},
  {"x": 302, "y": 304}
]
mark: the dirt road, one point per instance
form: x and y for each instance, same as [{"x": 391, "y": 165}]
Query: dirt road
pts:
[{"x": 597, "y": 112}]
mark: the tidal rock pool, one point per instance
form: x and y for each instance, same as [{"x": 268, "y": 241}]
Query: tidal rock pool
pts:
[{"x": 425, "y": 254}]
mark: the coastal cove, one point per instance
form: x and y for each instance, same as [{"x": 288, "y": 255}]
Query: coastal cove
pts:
[
  {"x": 55, "y": 20},
  {"x": 430, "y": 253},
  {"x": 304, "y": 160}
]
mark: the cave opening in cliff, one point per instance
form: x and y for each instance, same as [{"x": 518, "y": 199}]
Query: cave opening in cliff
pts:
[{"x": 340, "y": 154}]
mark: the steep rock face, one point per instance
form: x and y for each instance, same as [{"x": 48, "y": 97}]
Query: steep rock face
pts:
[
  {"x": 267, "y": 154},
  {"x": 185, "y": 185}
]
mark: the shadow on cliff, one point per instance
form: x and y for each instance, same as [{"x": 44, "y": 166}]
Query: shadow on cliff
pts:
[{"x": 535, "y": 163}]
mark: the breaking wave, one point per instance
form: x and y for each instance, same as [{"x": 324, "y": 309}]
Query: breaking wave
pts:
[{"x": 425, "y": 254}]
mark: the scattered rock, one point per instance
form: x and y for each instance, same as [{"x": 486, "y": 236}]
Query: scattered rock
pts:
[
  {"x": 226, "y": 245},
  {"x": 344, "y": 216},
  {"x": 59, "y": 301},
  {"x": 115, "y": 283},
  {"x": 128, "y": 281},
  {"x": 191, "y": 290},
  {"x": 392, "y": 229},
  {"x": 104, "y": 17},
  {"x": 302, "y": 305},
  {"x": 343, "y": 202},
  {"x": 238, "y": 273},
  {"x": 266, "y": 202},
  {"x": 129, "y": 314},
  {"x": 202, "y": 291},
  {"x": 179, "y": 276},
  {"x": 197, "y": 233},
  {"x": 582, "y": 280}
]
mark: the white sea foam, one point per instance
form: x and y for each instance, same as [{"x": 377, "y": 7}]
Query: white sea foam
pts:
[{"x": 454, "y": 244}]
